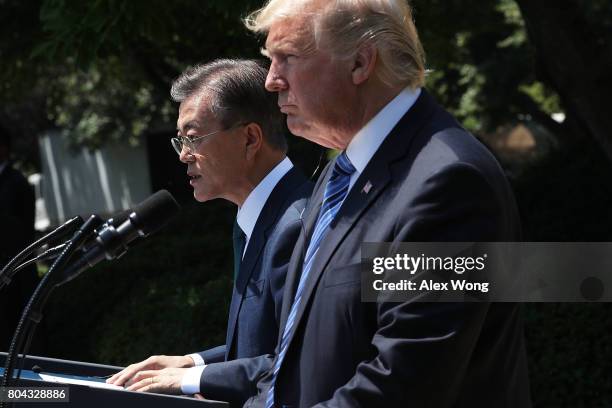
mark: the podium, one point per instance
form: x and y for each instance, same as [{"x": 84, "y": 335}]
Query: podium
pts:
[{"x": 90, "y": 396}]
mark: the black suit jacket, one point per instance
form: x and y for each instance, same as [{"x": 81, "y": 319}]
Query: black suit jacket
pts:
[
  {"x": 430, "y": 181},
  {"x": 255, "y": 308},
  {"x": 17, "y": 223}
]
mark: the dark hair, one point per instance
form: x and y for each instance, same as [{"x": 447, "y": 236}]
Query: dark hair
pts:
[
  {"x": 5, "y": 138},
  {"x": 238, "y": 95}
]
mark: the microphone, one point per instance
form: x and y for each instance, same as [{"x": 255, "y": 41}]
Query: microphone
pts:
[
  {"x": 112, "y": 241},
  {"x": 53, "y": 252}
]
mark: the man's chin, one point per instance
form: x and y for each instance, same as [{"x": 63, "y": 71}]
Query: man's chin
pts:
[
  {"x": 201, "y": 197},
  {"x": 299, "y": 128}
]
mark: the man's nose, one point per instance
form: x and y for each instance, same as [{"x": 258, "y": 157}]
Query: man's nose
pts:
[
  {"x": 185, "y": 156},
  {"x": 275, "y": 82}
]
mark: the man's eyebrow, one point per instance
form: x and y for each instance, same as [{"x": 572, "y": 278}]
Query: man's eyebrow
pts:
[{"x": 192, "y": 124}]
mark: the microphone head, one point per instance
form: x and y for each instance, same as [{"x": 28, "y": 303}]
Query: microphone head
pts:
[{"x": 154, "y": 212}]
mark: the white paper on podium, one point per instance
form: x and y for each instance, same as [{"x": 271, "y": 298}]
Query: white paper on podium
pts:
[{"x": 64, "y": 380}]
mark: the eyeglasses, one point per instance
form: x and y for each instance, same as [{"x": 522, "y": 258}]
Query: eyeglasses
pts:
[{"x": 192, "y": 143}]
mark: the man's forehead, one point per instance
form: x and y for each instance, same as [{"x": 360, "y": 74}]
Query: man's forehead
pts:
[
  {"x": 194, "y": 112},
  {"x": 290, "y": 32}
]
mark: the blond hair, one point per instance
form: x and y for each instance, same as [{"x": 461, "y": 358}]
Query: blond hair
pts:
[{"x": 346, "y": 25}]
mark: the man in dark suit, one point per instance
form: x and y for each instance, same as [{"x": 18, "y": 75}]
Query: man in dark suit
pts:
[
  {"x": 17, "y": 223},
  {"x": 350, "y": 75},
  {"x": 231, "y": 136}
]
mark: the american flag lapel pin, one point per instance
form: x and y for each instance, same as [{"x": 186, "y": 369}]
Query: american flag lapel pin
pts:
[{"x": 368, "y": 186}]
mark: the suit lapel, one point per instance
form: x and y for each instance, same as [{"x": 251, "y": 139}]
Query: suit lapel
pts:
[
  {"x": 370, "y": 184},
  {"x": 266, "y": 220},
  {"x": 253, "y": 251}
]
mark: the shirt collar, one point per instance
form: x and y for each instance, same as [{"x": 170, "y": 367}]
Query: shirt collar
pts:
[
  {"x": 365, "y": 143},
  {"x": 254, "y": 203}
]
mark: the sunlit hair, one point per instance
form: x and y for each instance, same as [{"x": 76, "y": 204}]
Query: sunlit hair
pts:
[
  {"x": 238, "y": 95},
  {"x": 343, "y": 26}
]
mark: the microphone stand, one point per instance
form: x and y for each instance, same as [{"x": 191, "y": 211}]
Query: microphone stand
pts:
[{"x": 32, "y": 312}]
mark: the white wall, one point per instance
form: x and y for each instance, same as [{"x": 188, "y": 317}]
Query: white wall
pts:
[{"x": 91, "y": 182}]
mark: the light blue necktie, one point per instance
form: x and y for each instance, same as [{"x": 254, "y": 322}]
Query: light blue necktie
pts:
[{"x": 335, "y": 193}]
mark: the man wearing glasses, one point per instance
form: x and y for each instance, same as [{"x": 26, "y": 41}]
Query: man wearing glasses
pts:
[{"x": 231, "y": 136}]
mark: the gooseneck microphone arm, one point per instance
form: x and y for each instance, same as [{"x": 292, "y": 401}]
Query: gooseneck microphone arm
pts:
[
  {"x": 53, "y": 252},
  {"x": 48, "y": 254},
  {"x": 62, "y": 230}
]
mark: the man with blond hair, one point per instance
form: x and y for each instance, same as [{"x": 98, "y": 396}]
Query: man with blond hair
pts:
[{"x": 350, "y": 76}]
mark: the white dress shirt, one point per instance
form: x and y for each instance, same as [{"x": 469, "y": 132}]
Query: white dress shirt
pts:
[
  {"x": 251, "y": 208},
  {"x": 246, "y": 218},
  {"x": 367, "y": 141}
]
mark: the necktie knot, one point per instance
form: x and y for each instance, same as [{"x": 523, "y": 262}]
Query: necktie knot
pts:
[{"x": 343, "y": 165}]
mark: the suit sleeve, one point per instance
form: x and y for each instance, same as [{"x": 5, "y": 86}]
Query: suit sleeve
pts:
[
  {"x": 234, "y": 381},
  {"x": 423, "y": 346},
  {"x": 213, "y": 355}
]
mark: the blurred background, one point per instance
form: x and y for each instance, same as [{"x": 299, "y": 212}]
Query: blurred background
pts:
[{"x": 84, "y": 88}]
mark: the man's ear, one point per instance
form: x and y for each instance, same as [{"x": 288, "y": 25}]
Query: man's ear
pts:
[
  {"x": 364, "y": 63},
  {"x": 254, "y": 139}
]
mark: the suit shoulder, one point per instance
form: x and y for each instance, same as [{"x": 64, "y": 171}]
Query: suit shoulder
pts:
[
  {"x": 301, "y": 195},
  {"x": 14, "y": 176},
  {"x": 455, "y": 148},
  {"x": 288, "y": 200},
  {"x": 296, "y": 191},
  {"x": 296, "y": 203}
]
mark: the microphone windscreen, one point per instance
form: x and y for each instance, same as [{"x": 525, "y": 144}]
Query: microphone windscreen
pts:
[{"x": 154, "y": 212}]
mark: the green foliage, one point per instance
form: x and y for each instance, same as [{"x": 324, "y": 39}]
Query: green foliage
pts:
[
  {"x": 94, "y": 107},
  {"x": 481, "y": 62},
  {"x": 105, "y": 66},
  {"x": 102, "y": 69}
]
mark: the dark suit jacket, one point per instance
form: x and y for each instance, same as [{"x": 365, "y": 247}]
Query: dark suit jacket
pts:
[
  {"x": 431, "y": 181},
  {"x": 255, "y": 308},
  {"x": 17, "y": 225}
]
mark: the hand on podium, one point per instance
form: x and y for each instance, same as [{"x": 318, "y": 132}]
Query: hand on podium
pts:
[
  {"x": 164, "y": 381},
  {"x": 160, "y": 374}
]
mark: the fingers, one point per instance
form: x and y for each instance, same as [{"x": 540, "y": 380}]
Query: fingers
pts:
[
  {"x": 151, "y": 363},
  {"x": 166, "y": 381},
  {"x": 144, "y": 381},
  {"x": 124, "y": 375}
]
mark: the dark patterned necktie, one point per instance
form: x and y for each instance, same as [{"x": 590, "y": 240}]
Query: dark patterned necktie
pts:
[{"x": 239, "y": 240}]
